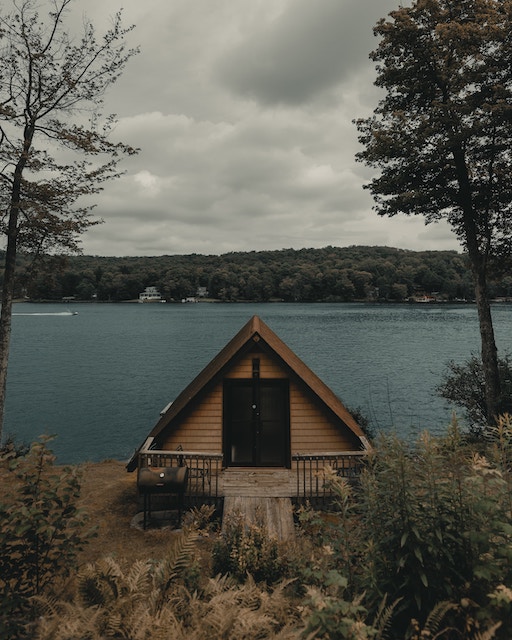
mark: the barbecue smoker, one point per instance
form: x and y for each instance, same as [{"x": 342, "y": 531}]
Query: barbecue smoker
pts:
[{"x": 170, "y": 481}]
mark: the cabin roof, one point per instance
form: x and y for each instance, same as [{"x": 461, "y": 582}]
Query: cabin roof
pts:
[{"x": 255, "y": 331}]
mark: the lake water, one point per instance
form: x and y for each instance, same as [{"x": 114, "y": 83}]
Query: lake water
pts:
[{"x": 99, "y": 379}]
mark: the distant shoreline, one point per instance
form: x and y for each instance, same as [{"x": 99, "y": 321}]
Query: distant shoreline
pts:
[{"x": 287, "y": 302}]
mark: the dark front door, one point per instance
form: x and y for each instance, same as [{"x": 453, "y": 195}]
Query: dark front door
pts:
[{"x": 256, "y": 423}]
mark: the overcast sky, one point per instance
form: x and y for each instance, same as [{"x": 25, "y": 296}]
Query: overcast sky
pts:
[{"x": 243, "y": 113}]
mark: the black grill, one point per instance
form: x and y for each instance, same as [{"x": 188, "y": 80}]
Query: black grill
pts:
[{"x": 171, "y": 481}]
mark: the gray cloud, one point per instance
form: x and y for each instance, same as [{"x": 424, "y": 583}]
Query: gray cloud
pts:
[
  {"x": 310, "y": 48},
  {"x": 243, "y": 112}
]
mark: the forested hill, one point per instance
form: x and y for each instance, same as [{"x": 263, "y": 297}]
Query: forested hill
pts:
[{"x": 331, "y": 274}]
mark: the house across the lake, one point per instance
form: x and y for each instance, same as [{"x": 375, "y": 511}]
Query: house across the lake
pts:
[
  {"x": 255, "y": 423},
  {"x": 150, "y": 294}
]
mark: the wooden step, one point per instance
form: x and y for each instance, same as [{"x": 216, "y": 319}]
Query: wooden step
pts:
[{"x": 276, "y": 514}]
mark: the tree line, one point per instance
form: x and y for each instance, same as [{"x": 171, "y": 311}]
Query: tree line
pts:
[{"x": 330, "y": 274}]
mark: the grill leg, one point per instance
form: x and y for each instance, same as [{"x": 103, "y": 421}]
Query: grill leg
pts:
[
  {"x": 180, "y": 507},
  {"x": 147, "y": 509}
]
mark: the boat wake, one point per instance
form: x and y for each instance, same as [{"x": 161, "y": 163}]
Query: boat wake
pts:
[{"x": 59, "y": 313}]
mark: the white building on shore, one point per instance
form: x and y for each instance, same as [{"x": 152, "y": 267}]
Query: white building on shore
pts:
[{"x": 150, "y": 294}]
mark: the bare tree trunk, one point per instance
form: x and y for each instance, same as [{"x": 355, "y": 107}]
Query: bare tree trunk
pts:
[
  {"x": 10, "y": 268},
  {"x": 477, "y": 258},
  {"x": 6, "y": 319},
  {"x": 489, "y": 351}
]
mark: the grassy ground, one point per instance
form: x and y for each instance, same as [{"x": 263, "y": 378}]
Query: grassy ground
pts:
[{"x": 109, "y": 495}]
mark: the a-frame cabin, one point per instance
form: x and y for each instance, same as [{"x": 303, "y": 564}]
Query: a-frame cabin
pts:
[{"x": 256, "y": 410}]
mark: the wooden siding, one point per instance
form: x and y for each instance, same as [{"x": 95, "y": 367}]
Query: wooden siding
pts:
[
  {"x": 201, "y": 429},
  {"x": 269, "y": 368},
  {"x": 313, "y": 430}
]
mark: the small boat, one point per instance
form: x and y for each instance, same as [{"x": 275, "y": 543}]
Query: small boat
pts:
[{"x": 425, "y": 299}]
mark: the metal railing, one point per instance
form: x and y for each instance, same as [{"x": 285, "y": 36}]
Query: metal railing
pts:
[
  {"x": 311, "y": 483},
  {"x": 203, "y": 471}
]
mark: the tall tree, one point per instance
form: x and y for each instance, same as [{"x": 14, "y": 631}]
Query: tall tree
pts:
[
  {"x": 51, "y": 91},
  {"x": 441, "y": 135}
]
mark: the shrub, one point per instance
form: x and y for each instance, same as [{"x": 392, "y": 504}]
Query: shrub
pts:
[
  {"x": 11, "y": 447},
  {"x": 463, "y": 385},
  {"x": 438, "y": 528},
  {"x": 41, "y": 529},
  {"x": 147, "y": 601},
  {"x": 247, "y": 549}
]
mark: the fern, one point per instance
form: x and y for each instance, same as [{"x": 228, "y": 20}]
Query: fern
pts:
[
  {"x": 249, "y": 595},
  {"x": 68, "y": 621},
  {"x": 489, "y": 634},
  {"x": 177, "y": 561},
  {"x": 383, "y": 618},
  {"x": 221, "y": 617},
  {"x": 252, "y": 625},
  {"x": 138, "y": 580},
  {"x": 433, "y": 622},
  {"x": 99, "y": 584},
  {"x": 221, "y": 582},
  {"x": 278, "y": 605}
]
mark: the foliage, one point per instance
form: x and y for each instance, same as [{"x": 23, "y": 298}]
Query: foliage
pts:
[
  {"x": 41, "y": 531},
  {"x": 443, "y": 125},
  {"x": 329, "y": 616},
  {"x": 201, "y": 518},
  {"x": 11, "y": 446},
  {"x": 58, "y": 79},
  {"x": 420, "y": 548},
  {"x": 438, "y": 527},
  {"x": 336, "y": 274},
  {"x": 147, "y": 601},
  {"x": 336, "y": 538},
  {"x": 117, "y": 602},
  {"x": 463, "y": 385},
  {"x": 245, "y": 548},
  {"x": 51, "y": 91},
  {"x": 500, "y": 445},
  {"x": 441, "y": 135}
]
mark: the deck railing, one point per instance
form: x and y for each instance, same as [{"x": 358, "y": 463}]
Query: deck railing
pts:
[
  {"x": 203, "y": 471},
  {"x": 311, "y": 481}
]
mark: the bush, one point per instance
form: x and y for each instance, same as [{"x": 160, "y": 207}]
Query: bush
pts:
[
  {"x": 438, "y": 527},
  {"x": 10, "y": 447},
  {"x": 428, "y": 530},
  {"x": 463, "y": 386},
  {"x": 147, "y": 601},
  {"x": 247, "y": 549},
  {"x": 41, "y": 530}
]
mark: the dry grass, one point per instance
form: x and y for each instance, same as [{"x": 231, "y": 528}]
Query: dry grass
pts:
[{"x": 109, "y": 496}]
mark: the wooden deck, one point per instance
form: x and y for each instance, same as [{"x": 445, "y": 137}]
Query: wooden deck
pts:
[
  {"x": 276, "y": 514},
  {"x": 261, "y": 496},
  {"x": 257, "y": 482}
]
